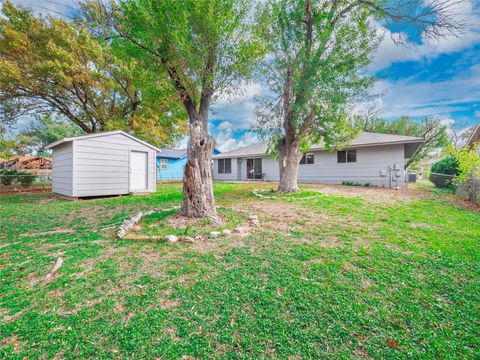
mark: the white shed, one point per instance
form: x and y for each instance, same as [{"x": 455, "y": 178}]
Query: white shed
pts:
[{"x": 109, "y": 163}]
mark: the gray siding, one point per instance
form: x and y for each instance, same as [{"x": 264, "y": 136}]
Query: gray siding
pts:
[
  {"x": 62, "y": 169},
  {"x": 370, "y": 162},
  {"x": 102, "y": 165}
]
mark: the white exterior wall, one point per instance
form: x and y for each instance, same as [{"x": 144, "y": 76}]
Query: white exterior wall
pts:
[
  {"x": 62, "y": 169},
  {"x": 370, "y": 162},
  {"x": 102, "y": 165}
]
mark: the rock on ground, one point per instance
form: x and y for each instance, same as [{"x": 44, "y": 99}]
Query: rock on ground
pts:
[
  {"x": 171, "y": 238},
  {"x": 240, "y": 230}
]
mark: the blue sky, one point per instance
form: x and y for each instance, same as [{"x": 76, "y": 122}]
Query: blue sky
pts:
[{"x": 437, "y": 78}]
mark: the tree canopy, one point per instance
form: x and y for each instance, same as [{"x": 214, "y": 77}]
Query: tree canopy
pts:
[
  {"x": 206, "y": 47},
  {"x": 49, "y": 65},
  {"x": 317, "y": 70}
]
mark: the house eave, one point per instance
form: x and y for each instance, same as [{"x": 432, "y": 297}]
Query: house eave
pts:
[{"x": 400, "y": 142}]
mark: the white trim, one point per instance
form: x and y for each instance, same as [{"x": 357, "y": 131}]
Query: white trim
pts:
[
  {"x": 74, "y": 177},
  {"x": 147, "y": 168},
  {"x": 107, "y": 133}
]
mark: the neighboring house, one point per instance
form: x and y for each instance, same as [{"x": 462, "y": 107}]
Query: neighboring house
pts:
[
  {"x": 41, "y": 166},
  {"x": 170, "y": 163},
  {"x": 474, "y": 137},
  {"x": 109, "y": 163},
  {"x": 377, "y": 159}
]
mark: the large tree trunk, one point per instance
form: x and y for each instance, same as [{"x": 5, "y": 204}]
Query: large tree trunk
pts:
[
  {"x": 289, "y": 161},
  {"x": 198, "y": 200}
]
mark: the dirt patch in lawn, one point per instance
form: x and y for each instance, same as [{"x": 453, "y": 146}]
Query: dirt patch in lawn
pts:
[
  {"x": 180, "y": 221},
  {"x": 373, "y": 194},
  {"x": 285, "y": 217}
]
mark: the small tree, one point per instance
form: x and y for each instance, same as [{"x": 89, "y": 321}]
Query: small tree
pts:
[
  {"x": 317, "y": 71},
  {"x": 468, "y": 159},
  {"x": 10, "y": 147}
]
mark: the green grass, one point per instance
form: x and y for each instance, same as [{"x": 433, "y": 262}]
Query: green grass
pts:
[
  {"x": 271, "y": 194},
  {"x": 333, "y": 276},
  {"x": 160, "y": 223}
]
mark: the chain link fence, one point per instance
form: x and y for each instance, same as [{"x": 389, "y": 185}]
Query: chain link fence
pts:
[
  {"x": 13, "y": 182},
  {"x": 469, "y": 189}
]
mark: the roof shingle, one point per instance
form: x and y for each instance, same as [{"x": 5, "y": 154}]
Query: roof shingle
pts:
[{"x": 363, "y": 139}]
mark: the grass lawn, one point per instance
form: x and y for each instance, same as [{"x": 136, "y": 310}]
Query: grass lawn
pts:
[{"x": 355, "y": 273}]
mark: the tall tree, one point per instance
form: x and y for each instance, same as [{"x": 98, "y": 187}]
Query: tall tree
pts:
[
  {"x": 431, "y": 129},
  {"x": 206, "y": 48},
  {"x": 320, "y": 53},
  {"x": 49, "y": 65}
]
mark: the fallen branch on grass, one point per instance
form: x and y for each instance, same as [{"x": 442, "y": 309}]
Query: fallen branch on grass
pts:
[
  {"x": 131, "y": 223},
  {"x": 56, "y": 265}
]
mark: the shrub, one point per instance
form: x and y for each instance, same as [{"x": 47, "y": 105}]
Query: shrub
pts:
[
  {"x": 7, "y": 177},
  {"x": 26, "y": 179},
  {"x": 446, "y": 166},
  {"x": 351, "y": 183}
]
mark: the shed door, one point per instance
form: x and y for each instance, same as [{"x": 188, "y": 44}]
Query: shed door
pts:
[{"x": 138, "y": 170}]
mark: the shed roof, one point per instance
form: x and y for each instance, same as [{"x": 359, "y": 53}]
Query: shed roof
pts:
[
  {"x": 362, "y": 140},
  {"x": 107, "y": 133}
]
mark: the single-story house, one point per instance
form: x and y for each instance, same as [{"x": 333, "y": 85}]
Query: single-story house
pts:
[
  {"x": 377, "y": 159},
  {"x": 170, "y": 163},
  {"x": 108, "y": 163}
]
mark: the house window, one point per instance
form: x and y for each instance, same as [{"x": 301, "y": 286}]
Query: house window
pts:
[
  {"x": 224, "y": 166},
  {"x": 307, "y": 159},
  {"x": 163, "y": 164},
  {"x": 347, "y": 156}
]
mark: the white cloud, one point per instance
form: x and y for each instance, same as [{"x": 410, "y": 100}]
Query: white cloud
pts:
[
  {"x": 388, "y": 52},
  {"x": 419, "y": 98},
  {"x": 226, "y": 140},
  {"x": 48, "y": 7},
  {"x": 239, "y": 111}
]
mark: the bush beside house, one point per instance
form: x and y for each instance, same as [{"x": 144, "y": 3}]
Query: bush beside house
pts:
[{"x": 442, "y": 172}]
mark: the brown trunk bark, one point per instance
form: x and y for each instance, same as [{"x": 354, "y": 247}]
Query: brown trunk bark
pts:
[
  {"x": 289, "y": 161},
  {"x": 198, "y": 200}
]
